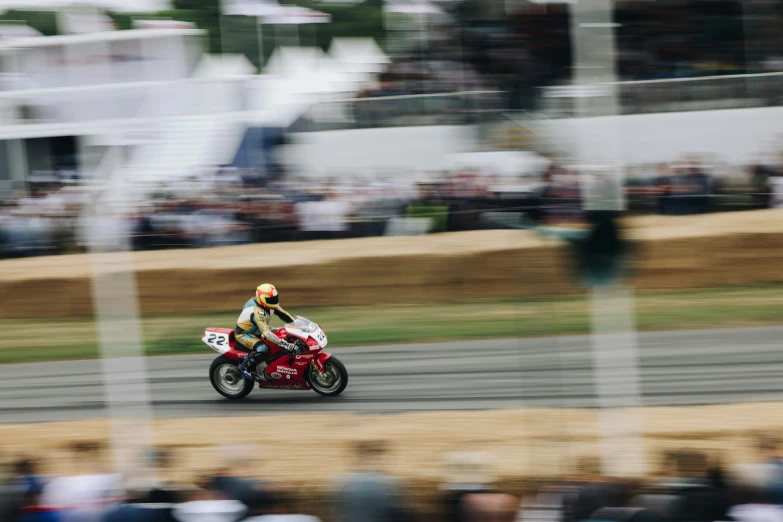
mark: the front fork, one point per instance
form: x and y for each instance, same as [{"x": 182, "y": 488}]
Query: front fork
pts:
[{"x": 319, "y": 366}]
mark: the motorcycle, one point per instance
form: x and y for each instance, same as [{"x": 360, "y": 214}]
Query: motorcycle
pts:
[{"x": 308, "y": 368}]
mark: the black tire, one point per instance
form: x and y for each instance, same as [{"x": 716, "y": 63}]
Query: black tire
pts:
[
  {"x": 333, "y": 363},
  {"x": 225, "y": 388}
]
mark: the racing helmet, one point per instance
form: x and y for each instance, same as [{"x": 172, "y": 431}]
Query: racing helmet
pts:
[{"x": 266, "y": 296}]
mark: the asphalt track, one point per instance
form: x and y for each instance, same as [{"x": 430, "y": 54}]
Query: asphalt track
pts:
[{"x": 687, "y": 367}]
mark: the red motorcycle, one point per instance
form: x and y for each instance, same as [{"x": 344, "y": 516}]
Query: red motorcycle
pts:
[{"x": 309, "y": 368}]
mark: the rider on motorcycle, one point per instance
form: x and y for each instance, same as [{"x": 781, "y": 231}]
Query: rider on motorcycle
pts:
[{"x": 253, "y": 325}]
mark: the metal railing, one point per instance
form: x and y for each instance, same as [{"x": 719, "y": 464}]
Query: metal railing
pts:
[
  {"x": 672, "y": 95},
  {"x": 452, "y": 108}
]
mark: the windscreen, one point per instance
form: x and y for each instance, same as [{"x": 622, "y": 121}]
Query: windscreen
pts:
[{"x": 305, "y": 325}]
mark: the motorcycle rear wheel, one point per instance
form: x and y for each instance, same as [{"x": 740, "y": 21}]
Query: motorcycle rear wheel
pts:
[
  {"x": 333, "y": 383},
  {"x": 228, "y": 380}
]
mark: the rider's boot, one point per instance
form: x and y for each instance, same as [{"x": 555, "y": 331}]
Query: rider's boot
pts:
[{"x": 252, "y": 368}]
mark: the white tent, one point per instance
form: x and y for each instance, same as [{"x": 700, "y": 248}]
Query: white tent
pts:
[
  {"x": 308, "y": 70},
  {"x": 412, "y": 7},
  {"x": 163, "y": 24},
  {"x": 290, "y": 62},
  {"x": 137, "y": 6},
  {"x": 260, "y": 9},
  {"x": 13, "y": 31},
  {"x": 301, "y": 78},
  {"x": 271, "y": 12},
  {"x": 223, "y": 66},
  {"x": 338, "y": 78},
  {"x": 359, "y": 55},
  {"x": 296, "y": 15}
]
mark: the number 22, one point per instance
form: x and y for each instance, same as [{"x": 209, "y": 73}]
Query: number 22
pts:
[{"x": 213, "y": 338}]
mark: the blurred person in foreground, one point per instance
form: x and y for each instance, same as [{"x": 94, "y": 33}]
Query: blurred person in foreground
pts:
[
  {"x": 206, "y": 504},
  {"x": 771, "y": 466},
  {"x": 752, "y": 496},
  {"x": 30, "y": 482},
  {"x": 10, "y": 498},
  {"x": 144, "y": 505},
  {"x": 32, "y": 511},
  {"x": 470, "y": 498},
  {"x": 87, "y": 496},
  {"x": 278, "y": 507},
  {"x": 28, "y": 476},
  {"x": 691, "y": 488},
  {"x": 235, "y": 481},
  {"x": 369, "y": 495}
]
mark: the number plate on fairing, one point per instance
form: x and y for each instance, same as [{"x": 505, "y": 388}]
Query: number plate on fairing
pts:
[
  {"x": 320, "y": 336},
  {"x": 218, "y": 341}
]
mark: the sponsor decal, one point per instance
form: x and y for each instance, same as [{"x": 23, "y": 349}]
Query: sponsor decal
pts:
[
  {"x": 302, "y": 363},
  {"x": 288, "y": 377},
  {"x": 277, "y": 376},
  {"x": 308, "y": 356},
  {"x": 287, "y": 370}
]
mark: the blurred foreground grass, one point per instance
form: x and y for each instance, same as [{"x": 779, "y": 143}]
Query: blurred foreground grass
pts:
[{"x": 397, "y": 323}]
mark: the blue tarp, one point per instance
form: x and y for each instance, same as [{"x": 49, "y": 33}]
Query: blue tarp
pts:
[{"x": 256, "y": 150}]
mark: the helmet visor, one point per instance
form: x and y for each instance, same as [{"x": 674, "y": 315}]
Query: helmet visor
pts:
[{"x": 272, "y": 300}]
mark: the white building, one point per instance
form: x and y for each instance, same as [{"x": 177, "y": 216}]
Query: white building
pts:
[{"x": 62, "y": 97}]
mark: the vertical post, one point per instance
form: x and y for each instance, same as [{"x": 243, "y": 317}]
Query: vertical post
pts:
[
  {"x": 117, "y": 320},
  {"x": 614, "y": 340},
  {"x": 122, "y": 355},
  {"x": 17, "y": 154},
  {"x": 260, "y": 37},
  {"x": 615, "y": 366},
  {"x": 222, "y": 25},
  {"x": 425, "y": 41}
]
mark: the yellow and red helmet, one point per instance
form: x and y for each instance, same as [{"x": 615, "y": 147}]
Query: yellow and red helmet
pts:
[{"x": 266, "y": 296}]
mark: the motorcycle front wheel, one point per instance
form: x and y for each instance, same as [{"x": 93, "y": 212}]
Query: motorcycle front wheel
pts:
[
  {"x": 334, "y": 380},
  {"x": 228, "y": 380}
]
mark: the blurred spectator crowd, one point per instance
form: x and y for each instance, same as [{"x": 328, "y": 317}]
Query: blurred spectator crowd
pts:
[
  {"x": 654, "y": 40},
  {"x": 231, "y": 208},
  {"x": 526, "y": 46},
  {"x": 689, "y": 487}
]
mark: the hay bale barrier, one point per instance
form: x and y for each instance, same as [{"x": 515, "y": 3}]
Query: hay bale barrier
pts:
[{"x": 740, "y": 248}]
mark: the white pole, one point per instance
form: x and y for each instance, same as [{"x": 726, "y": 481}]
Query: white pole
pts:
[
  {"x": 17, "y": 154},
  {"x": 425, "y": 45},
  {"x": 616, "y": 375},
  {"x": 614, "y": 340},
  {"x": 118, "y": 324},
  {"x": 222, "y": 25},
  {"x": 116, "y": 310},
  {"x": 260, "y": 37}
]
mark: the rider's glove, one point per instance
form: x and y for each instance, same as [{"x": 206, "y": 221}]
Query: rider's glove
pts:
[{"x": 291, "y": 347}]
